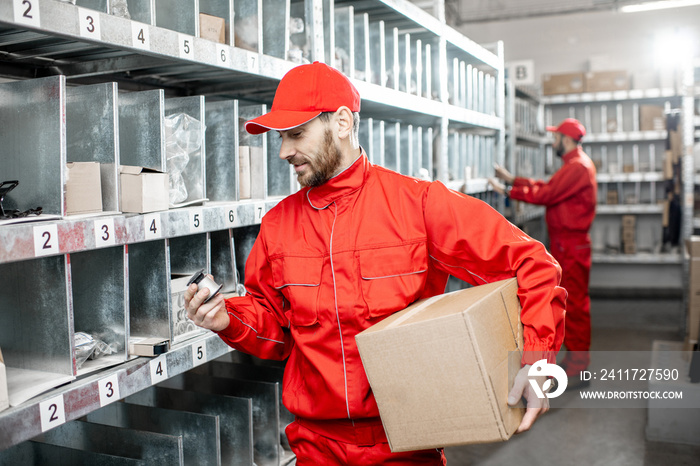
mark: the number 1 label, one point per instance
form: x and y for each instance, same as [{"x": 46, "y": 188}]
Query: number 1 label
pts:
[
  {"x": 45, "y": 240},
  {"x": 109, "y": 389},
  {"x": 53, "y": 413},
  {"x": 27, "y": 12}
]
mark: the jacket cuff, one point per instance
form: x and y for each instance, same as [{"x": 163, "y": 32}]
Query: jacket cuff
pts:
[
  {"x": 531, "y": 356},
  {"x": 234, "y": 330}
]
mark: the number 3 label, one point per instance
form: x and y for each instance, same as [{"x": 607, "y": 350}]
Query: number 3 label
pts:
[
  {"x": 53, "y": 413},
  {"x": 27, "y": 12},
  {"x": 89, "y": 24},
  {"x": 45, "y": 240},
  {"x": 109, "y": 389},
  {"x": 104, "y": 232}
]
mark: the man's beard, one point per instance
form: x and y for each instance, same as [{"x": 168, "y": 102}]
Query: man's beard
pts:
[
  {"x": 324, "y": 167},
  {"x": 559, "y": 150}
]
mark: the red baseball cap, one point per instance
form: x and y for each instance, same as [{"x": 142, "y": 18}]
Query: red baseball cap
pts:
[
  {"x": 303, "y": 94},
  {"x": 569, "y": 127}
]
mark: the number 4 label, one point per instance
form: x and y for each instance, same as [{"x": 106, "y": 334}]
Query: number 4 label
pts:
[
  {"x": 53, "y": 413},
  {"x": 139, "y": 36},
  {"x": 109, "y": 389},
  {"x": 159, "y": 370},
  {"x": 152, "y": 227},
  {"x": 45, "y": 240}
]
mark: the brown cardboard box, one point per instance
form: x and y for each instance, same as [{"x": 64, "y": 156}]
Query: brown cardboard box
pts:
[
  {"x": 212, "y": 28},
  {"x": 630, "y": 248},
  {"x": 603, "y": 81},
  {"x": 150, "y": 347},
  {"x": 628, "y": 236},
  {"x": 693, "y": 315},
  {"x": 629, "y": 221},
  {"x": 143, "y": 189},
  {"x": 668, "y": 165},
  {"x": 4, "y": 395},
  {"x": 83, "y": 188},
  {"x": 440, "y": 371},
  {"x": 569, "y": 83},
  {"x": 612, "y": 198},
  {"x": 244, "y": 172},
  {"x": 652, "y": 118},
  {"x": 676, "y": 145}
]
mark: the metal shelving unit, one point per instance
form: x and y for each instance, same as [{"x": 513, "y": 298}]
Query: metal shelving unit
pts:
[{"x": 432, "y": 100}]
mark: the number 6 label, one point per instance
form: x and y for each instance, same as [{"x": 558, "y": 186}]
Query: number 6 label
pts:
[
  {"x": 53, "y": 413},
  {"x": 45, "y": 240},
  {"x": 109, "y": 389}
]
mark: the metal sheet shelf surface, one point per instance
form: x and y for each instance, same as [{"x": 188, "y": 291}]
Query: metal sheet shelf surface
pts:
[
  {"x": 82, "y": 396},
  {"x": 632, "y": 94},
  {"x": 75, "y": 235},
  {"x": 629, "y": 177},
  {"x": 639, "y": 258},
  {"x": 629, "y": 209},
  {"x": 630, "y": 136}
]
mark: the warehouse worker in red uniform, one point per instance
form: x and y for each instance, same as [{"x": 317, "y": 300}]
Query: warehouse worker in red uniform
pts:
[
  {"x": 356, "y": 244},
  {"x": 570, "y": 197}
]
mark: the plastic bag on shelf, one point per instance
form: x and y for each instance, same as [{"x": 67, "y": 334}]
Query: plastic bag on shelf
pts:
[
  {"x": 183, "y": 142},
  {"x": 119, "y": 8},
  {"x": 84, "y": 347}
]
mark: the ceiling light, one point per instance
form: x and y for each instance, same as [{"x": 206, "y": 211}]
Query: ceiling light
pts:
[{"x": 649, "y": 6}]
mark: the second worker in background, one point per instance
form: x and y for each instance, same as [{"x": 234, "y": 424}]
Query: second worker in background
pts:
[{"x": 570, "y": 198}]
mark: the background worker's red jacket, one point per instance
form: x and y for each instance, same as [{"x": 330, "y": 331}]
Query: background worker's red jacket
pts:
[
  {"x": 333, "y": 260},
  {"x": 570, "y": 195}
]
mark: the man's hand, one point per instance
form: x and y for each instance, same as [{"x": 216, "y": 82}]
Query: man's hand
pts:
[
  {"x": 211, "y": 315},
  {"x": 503, "y": 174},
  {"x": 522, "y": 389},
  {"x": 497, "y": 186}
]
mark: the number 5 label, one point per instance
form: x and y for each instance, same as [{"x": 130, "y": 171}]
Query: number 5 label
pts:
[
  {"x": 199, "y": 353},
  {"x": 45, "y": 240},
  {"x": 196, "y": 220},
  {"x": 53, "y": 413},
  {"x": 186, "y": 46}
]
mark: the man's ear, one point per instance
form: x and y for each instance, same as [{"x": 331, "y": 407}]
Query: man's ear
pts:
[{"x": 344, "y": 120}]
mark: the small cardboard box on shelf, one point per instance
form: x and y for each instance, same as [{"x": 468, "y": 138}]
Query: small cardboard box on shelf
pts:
[
  {"x": 143, "y": 190},
  {"x": 83, "y": 188},
  {"x": 568, "y": 83}
]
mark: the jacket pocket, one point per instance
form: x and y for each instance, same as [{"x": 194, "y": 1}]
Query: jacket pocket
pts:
[
  {"x": 299, "y": 280},
  {"x": 392, "y": 277}
]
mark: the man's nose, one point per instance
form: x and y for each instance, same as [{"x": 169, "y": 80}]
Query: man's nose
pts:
[{"x": 287, "y": 150}]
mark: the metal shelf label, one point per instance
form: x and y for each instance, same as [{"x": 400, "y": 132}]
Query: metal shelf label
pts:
[
  {"x": 230, "y": 219},
  {"x": 151, "y": 227},
  {"x": 89, "y": 24},
  {"x": 53, "y": 413},
  {"x": 27, "y": 12},
  {"x": 159, "y": 370},
  {"x": 109, "y": 389},
  {"x": 186, "y": 46},
  {"x": 105, "y": 235},
  {"x": 46, "y": 240},
  {"x": 140, "y": 37},
  {"x": 259, "y": 211},
  {"x": 196, "y": 221},
  {"x": 199, "y": 353},
  {"x": 223, "y": 57}
]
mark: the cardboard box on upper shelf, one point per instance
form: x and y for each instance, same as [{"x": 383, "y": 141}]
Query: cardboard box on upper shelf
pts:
[
  {"x": 83, "y": 188},
  {"x": 143, "y": 190},
  {"x": 452, "y": 356},
  {"x": 606, "y": 81},
  {"x": 652, "y": 118},
  {"x": 212, "y": 28},
  {"x": 567, "y": 83}
]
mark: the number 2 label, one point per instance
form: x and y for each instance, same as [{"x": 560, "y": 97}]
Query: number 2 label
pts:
[
  {"x": 27, "y": 12},
  {"x": 53, "y": 413},
  {"x": 45, "y": 240}
]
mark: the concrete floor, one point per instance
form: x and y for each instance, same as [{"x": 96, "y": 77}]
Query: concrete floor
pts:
[{"x": 584, "y": 436}]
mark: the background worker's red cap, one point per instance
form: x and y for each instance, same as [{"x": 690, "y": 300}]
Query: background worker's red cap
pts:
[
  {"x": 569, "y": 127},
  {"x": 302, "y": 94}
]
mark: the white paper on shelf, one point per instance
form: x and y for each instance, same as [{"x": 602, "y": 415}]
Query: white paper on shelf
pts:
[{"x": 24, "y": 384}]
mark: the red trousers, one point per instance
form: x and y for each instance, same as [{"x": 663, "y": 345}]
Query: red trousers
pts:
[
  {"x": 573, "y": 252},
  {"x": 344, "y": 443}
]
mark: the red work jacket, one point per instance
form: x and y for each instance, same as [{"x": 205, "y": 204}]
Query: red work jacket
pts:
[
  {"x": 333, "y": 260},
  {"x": 570, "y": 195}
]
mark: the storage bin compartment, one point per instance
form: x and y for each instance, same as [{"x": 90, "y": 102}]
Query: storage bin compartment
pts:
[
  {"x": 247, "y": 27},
  {"x": 36, "y": 331},
  {"x": 255, "y": 174},
  {"x": 188, "y": 254},
  {"x": 177, "y": 15},
  {"x": 142, "y": 129},
  {"x": 221, "y": 138},
  {"x": 100, "y": 304},
  {"x": 33, "y": 139},
  {"x": 223, "y": 260}
]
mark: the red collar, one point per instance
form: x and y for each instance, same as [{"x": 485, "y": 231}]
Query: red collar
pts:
[
  {"x": 571, "y": 154},
  {"x": 346, "y": 182}
]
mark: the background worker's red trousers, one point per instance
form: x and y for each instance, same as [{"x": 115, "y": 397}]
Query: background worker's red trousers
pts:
[
  {"x": 348, "y": 443},
  {"x": 573, "y": 252}
]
